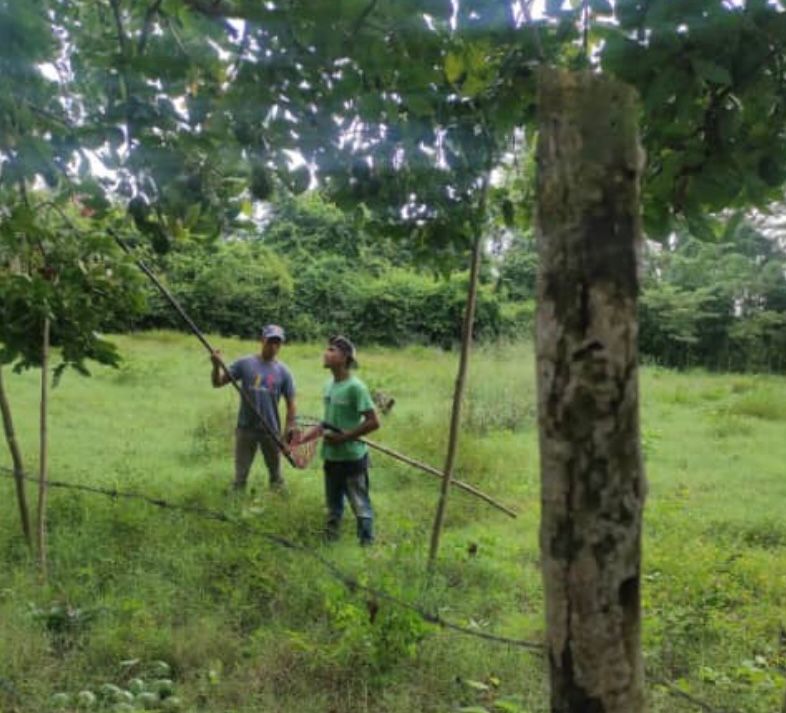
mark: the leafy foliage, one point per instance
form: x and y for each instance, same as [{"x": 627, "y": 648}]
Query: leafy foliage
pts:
[
  {"x": 518, "y": 269},
  {"x": 76, "y": 277},
  {"x": 712, "y": 83},
  {"x": 194, "y": 110},
  {"x": 717, "y": 304},
  {"x": 233, "y": 288},
  {"x": 191, "y": 112},
  {"x": 240, "y": 288}
]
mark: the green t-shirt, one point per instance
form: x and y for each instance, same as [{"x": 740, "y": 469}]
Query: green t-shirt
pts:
[{"x": 345, "y": 403}]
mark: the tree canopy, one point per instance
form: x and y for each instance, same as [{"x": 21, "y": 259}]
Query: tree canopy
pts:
[
  {"x": 193, "y": 109},
  {"x": 186, "y": 114}
]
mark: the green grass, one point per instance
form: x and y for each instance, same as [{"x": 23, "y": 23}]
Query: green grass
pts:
[{"x": 247, "y": 626}]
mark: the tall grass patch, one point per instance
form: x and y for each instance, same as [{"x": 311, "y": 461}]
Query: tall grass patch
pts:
[
  {"x": 246, "y": 625},
  {"x": 760, "y": 404}
]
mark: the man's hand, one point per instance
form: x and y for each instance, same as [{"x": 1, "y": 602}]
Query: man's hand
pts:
[
  {"x": 335, "y": 439},
  {"x": 218, "y": 377}
]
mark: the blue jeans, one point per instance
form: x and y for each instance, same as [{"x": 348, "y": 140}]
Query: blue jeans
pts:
[{"x": 349, "y": 479}]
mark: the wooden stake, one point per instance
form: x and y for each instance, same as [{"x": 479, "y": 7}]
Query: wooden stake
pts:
[
  {"x": 16, "y": 459},
  {"x": 458, "y": 395},
  {"x": 42, "y": 472}
]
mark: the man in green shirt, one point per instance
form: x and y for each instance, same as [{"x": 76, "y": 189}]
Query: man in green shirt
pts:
[{"x": 349, "y": 408}]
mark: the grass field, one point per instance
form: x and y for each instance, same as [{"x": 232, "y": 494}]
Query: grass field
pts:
[{"x": 243, "y": 625}]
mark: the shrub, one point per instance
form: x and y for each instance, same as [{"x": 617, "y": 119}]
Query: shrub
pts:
[
  {"x": 327, "y": 296},
  {"x": 233, "y": 290},
  {"x": 239, "y": 286}
]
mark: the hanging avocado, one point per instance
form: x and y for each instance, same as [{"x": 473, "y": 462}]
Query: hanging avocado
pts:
[{"x": 261, "y": 186}]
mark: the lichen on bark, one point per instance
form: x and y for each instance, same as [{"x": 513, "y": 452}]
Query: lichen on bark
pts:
[{"x": 592, "y": 478}]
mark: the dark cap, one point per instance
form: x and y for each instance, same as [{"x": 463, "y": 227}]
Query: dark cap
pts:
[
  {"x": 347, "y": 347},
  {"x": 273, "y": 331}
]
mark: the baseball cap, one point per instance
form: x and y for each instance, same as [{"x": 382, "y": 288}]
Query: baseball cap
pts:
[
  {"x": 346, "y": 347},
  {"x": 273, "y": 331}
]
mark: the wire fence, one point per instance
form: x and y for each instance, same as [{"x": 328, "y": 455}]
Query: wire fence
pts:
[{"x": 348, "y": 580}]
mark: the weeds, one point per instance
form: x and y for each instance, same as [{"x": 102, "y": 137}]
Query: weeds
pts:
[
  {"x": 492, "y": 409},
  {"x": 247, "y": 627},
  {"x": 212, "y": 436},
  {"x": 724, "y": 424},
  {"x": 760, "y": 404}
]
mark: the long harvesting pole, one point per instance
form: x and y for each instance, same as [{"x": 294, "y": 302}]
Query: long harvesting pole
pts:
[
  {"x": 425, "y": 468},
  {"x": 203, "y": 340}
]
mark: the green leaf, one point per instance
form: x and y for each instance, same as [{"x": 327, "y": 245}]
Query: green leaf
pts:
[
  {"x": 601, "y": 7},
  {"x": 454, "y": 67},
  {"x": 508, "y": 213},
  {"x": 191, "y": 217},
  {"x": 474, "y": 85},
  {"x": 711, "y": 72},
  {"x": 508, "y": 706},
  {"x": 420, "y": 105},
  {"x": 700, "y": 225}
]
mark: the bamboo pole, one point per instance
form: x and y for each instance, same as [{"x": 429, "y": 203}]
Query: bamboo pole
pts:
[
  {"x": 203, "y": 340},
  {"x": 417, "y": 464},
  {"x": 431, "y": 470}
]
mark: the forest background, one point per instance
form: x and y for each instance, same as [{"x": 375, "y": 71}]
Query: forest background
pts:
[{"x": 308, "y": 266}]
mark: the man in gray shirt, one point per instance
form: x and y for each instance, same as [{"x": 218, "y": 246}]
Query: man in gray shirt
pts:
[{"x": 265, "y": 380}]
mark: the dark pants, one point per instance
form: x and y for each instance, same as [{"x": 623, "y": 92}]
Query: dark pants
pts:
[
  {"x": 349, "y": 479},
  {"x": 247, "y": 442}
]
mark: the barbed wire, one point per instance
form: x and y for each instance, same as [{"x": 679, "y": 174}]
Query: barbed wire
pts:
[
  {"x": 684, "y": 695},
  {"x": 348, "y": 580}
]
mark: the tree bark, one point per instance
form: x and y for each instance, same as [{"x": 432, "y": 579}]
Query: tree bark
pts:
[
  {"x": 16, "y": 459},
  {"x": 458, "y": 395},
  {"x": 592, "y": 477},
  {"x": 43, "y": 454}
]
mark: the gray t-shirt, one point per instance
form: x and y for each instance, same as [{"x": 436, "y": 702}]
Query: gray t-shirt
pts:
[{"x": 265, "y": 382}]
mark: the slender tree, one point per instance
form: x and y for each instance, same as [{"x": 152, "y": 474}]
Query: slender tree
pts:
[
  {"x": 458, "y": 395},
  {"x": 16, "y": 460},
  {"x": 43, "y": 453}
]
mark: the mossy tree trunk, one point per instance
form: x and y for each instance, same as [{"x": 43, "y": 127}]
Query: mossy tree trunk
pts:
[{"x": 592, "y": 479}]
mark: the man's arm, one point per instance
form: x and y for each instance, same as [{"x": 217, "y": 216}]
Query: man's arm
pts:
[
  {"x": 370, "y": 423},
  {"x": 288, "y": 392},
  {"x": 291, "y": 413},
  {"x": 218, "y": 376}
]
